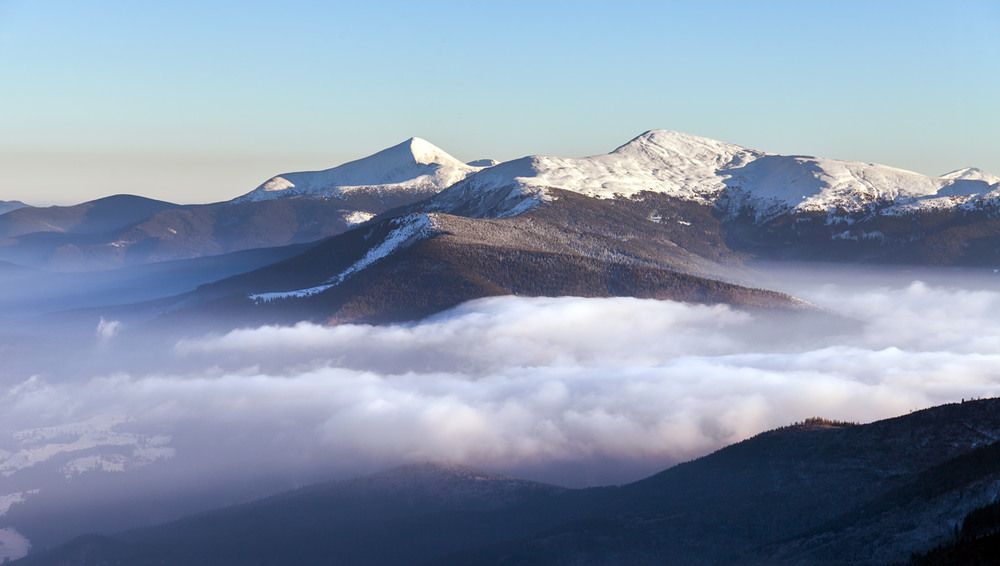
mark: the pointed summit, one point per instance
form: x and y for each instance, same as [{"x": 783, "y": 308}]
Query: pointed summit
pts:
[
  {"x": 414, "y": 151},
  {"x": 414, "y": 167}
]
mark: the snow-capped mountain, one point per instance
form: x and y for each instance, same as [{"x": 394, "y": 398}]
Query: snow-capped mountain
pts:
[
  {"x": 672, "y": 163},
  {"x": 410, "y": 171},
  {"x": 733, "y": 178},
  {"x": 972, "y": 174}
]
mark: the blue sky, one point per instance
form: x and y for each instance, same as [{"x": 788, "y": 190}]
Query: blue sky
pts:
[{"x": 202, "y": 101}]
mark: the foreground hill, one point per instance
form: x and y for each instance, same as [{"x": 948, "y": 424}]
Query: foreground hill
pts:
[{"x": 818, "y": 492}]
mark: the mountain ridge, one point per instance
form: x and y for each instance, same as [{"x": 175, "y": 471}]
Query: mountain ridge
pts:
[{"x": 818, "y": 492}]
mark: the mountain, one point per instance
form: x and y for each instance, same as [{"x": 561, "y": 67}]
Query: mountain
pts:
[
  {"x": 972, "y": 174},
  {"x": 763, "y": 204},
  {"x": 29, "y": 291},
  {"x": 92, "y": 217},
  {"x": 409, "y": 266},
  {"x": 666, "y": 215},
  {"x": 733, "y": 179},
  {"x": 399, "y": 175},
  {"x": 767, "y": 205},
  {"x": 186, "y": 232},
  {"x": 671, "y": 163},
  {"x": 289, "y": 209},
  {"x": 9, "y": 205},
  {"x": 404, "y": 515},
  {"x": 817, "y": 492}
]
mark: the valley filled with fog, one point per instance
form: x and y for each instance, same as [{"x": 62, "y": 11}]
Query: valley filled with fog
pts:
[{"x": 572, "y": 391}]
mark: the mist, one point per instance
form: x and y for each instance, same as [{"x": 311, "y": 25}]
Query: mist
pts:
[{"x": 567, "y": 390}]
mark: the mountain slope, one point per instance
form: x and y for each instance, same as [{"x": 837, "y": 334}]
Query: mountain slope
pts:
[
  {"x": 818, "y": 492},
  {"x": 410, "y": 266},
  {"x": 9, "y": 205},
  {"x": 405, "y": 515},
  {"x": 288, "y": 209},
  {"x": 92, "y": 217},
  {"x": 184, "y": 233}
]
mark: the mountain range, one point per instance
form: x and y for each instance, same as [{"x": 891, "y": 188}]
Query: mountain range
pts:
[{"x": 411, "y": 231}]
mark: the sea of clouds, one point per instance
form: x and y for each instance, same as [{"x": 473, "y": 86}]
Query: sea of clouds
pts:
[{"x": 571, "y": 390}]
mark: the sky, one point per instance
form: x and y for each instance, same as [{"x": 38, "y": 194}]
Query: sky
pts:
[{"x": 203, "y": 101}]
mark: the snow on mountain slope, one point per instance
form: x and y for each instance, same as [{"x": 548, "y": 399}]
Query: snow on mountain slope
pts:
[
  {"x": 414, "y": 167},
  {"x": 774, "y": 184},
  {"x": 668, "y": 162},
  {"x": 731, "y": 177},
  {"x": 407, "y": 230},
  {"x": 972, "y": 174}
]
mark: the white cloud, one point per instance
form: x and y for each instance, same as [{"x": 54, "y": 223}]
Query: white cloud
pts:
[
  {"x": 515, "y": 383},
  {"x": 107, "y": 329}
]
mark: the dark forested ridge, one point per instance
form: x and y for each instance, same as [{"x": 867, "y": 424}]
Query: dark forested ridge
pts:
[{"x": 818, "y": 492}]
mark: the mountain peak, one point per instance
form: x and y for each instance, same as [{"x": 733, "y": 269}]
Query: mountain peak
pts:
[
  {"x": 971, "y": 174},
  {"x": 414, "y": 151},
  {"x": 414, "y": 166},
  {"x": 424, "y": 151},
  {"x": 674, "y": 145}
]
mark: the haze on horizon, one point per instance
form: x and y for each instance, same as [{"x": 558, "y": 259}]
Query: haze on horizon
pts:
[{"x": 190, "y": 102}]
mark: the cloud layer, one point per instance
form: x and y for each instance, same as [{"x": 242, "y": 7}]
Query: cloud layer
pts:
[{"x": 539, "y": 384}]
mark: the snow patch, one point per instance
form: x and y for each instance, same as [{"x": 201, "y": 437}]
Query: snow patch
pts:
[
  {"x": 13, "y": 545},
  {"x": 408, "y": 230},
  {"x": 35, "y": 446},
  {"x": 9, "y": 500},
  {"x": 297, "y": 294},
  {"x": 358, "y": 217}
]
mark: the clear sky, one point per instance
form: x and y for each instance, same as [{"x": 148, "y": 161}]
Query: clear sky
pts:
[{"x": 202, "y": 101}]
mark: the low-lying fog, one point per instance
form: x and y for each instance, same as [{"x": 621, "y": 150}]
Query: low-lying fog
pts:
[{"x": 567, "y": 390}]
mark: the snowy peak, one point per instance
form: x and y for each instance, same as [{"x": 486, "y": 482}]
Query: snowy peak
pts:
[
  {"x": 673, "y": 147},
  {"x": 972, "y": 174},
  {"x": 681, "y": 165},
  {"x": 415, "y": 167},
  {"x": 733, "y": 178},
  {"x": 414, "y": 151}
]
